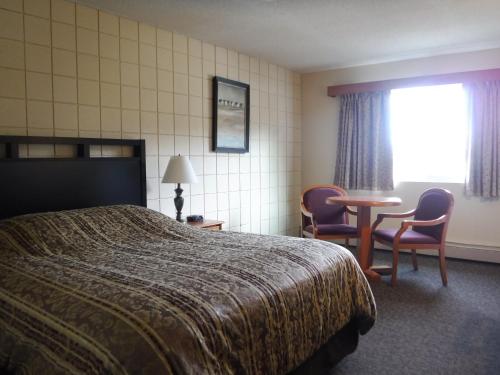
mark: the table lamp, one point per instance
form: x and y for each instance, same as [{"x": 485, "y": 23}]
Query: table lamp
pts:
[{"x": 179, "y": 170}]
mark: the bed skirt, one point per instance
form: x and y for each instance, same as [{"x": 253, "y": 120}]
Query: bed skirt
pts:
[{"x": 330, "y": 354}]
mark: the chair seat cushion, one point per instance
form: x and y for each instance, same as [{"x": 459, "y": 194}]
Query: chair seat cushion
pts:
[
  {"x": 333, "y": 229},
  {"x": 409, "y": 236}
]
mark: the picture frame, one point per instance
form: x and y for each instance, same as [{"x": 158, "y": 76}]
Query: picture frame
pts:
[{"x": 230, "y": 116}]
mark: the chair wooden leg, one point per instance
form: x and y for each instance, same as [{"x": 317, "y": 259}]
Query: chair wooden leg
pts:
[
  {"x": 347, "y": 242},
  {"x": 395, "y": 259},
  {"x": 442, "y": 266},
  {"x": 414, "y": 259}
]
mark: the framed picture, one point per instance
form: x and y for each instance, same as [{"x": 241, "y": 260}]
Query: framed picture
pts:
[{"x": 231, "y": 116}]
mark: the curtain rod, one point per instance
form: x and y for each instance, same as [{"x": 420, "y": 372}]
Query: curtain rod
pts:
[{"x": 437, "y": 79}]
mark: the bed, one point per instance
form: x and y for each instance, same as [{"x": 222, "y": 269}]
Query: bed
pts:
[{"x": 122, "y": 289}]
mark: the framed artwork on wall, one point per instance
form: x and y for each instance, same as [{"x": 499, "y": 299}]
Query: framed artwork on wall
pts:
[{"x": 231, "y": 116}]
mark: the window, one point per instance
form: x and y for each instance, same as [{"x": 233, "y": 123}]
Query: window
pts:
[{"x": 429, "y": 133}]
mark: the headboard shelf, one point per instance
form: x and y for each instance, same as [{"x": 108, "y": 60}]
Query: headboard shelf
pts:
[
  {"x": 76, "y": 159},
  {"x": 82, "y": 144},
  {"x": 39, "y": 184}
]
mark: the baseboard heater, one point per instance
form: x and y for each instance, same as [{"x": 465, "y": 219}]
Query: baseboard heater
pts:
[{"x": 480, "y": 253}]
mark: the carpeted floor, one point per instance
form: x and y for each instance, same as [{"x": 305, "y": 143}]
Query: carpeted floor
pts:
[{"x": 425, "y": 328}]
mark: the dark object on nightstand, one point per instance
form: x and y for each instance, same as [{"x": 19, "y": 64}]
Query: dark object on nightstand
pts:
[{"x": 194, "y": 218}]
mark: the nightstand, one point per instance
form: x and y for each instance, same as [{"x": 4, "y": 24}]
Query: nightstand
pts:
[{"x": 207, "y": 224}]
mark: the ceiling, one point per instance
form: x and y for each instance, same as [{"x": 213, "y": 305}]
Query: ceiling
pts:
[{"x": 312, "y": 35}]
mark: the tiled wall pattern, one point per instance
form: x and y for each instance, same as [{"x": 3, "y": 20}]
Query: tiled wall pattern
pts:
[{"x": 70, "y": 70}]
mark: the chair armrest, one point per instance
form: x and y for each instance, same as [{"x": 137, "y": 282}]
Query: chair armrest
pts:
[
  {"x": 396, "y": 215},
  {"x": 351, "y": 212},
  {"x": 424, "y": 223},
  {"x": 418, "y": 223},
  {"x": 391, "y": 215},
  {"x": 305, "y": 212}
]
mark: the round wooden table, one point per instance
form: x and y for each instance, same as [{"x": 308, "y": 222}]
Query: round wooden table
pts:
[{"x": 364, "y": 204}]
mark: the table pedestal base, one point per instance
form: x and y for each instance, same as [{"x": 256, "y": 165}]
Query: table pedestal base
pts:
[
  {"x": 374, "y": 272},
  {"x": 364, "y": 247},
  {"x": 382, "y": 269},
  {"x": 372, "y": 275}
]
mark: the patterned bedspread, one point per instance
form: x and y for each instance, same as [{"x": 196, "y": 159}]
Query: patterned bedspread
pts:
[{"x": 124, "y": 289}]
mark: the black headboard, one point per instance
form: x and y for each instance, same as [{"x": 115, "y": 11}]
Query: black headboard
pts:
[{"x": 29, "y": 185}]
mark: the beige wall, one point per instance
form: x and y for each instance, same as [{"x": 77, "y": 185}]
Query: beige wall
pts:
[
  {"x": 69, "y": 70},
  {"x": 474, "y": 221}
]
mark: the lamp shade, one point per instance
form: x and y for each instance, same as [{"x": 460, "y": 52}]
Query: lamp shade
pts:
[{"x": 179, "y": 170}]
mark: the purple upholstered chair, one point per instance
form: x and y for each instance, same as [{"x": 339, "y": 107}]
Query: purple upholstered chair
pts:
[
  {"x": 322, "y": 221},
  {"x": 431, "y": 218}
]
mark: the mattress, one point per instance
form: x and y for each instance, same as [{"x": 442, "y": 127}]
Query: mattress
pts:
[{"x": 127, "y": 290}]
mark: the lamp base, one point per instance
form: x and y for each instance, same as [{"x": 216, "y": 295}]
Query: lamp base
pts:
[{"x": 178, "y": 202}]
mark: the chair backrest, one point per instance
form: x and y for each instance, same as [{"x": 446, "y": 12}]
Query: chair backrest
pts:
[
  {"x": 314, "y": 199},
  {"x": 432, "y": 204}
]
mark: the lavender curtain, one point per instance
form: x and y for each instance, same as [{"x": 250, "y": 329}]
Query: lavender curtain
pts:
[
  {"x": 364, "y": 150},
  {"x": 483, "y": 174}
]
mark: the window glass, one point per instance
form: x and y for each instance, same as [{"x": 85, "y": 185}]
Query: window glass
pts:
[{"x": 429, "y": 133}]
